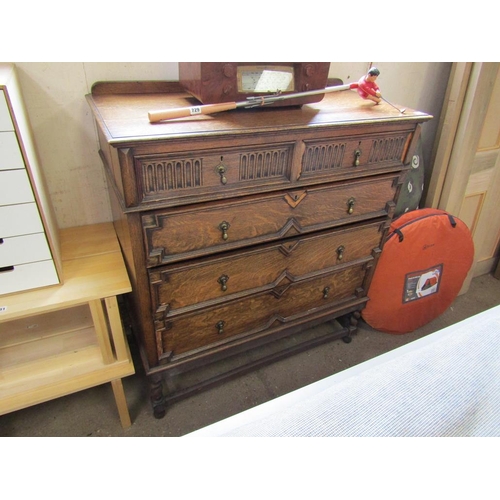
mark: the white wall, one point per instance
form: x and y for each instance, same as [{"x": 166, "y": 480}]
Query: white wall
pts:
[{"x": 65, "y": 135}]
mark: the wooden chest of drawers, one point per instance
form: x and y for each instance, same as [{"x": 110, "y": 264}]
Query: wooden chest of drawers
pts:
[{"x": 242, "y": 228}]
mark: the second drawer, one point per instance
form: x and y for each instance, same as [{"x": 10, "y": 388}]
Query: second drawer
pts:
[{"x": 179, "y": 234}]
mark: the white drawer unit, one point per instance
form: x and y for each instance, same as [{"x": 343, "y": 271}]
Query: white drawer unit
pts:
[
  {"x": 22, "y": 219},
  {"x": 29, "y": 248},
  {"x": 24, "y": 249},
  {"x": 15, "y": 187},
  {"x": 5, "y": 119},
  {"x": 28, "y": 276},
  {"x": 11, "y": 157}
]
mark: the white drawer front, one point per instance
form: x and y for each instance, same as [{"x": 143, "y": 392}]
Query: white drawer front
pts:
[
  {"x": 15, "y": 187},
  {"x": 24, "y": 249},
  {"x": 5, "y": 119},
  {"x": 27, "y": 277},
  {"x": 10, "y": 153},
  {"x": 17, "y": 220}
]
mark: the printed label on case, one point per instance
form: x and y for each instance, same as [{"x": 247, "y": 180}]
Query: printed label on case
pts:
[
  {"x": 195, "y": 110},
  {"x": 421, "y": 284}
]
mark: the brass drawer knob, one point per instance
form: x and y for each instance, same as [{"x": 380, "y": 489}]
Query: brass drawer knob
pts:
[
  {"x": 224, "y": 226},
  {"x": 340, "y": 252},
  {"x": 223, "y": 282},
  {"x": 220, "y": 327},
  {"x": 357, "y": 155},
  {"x": 221, "y": 170},
  {"x": 350, "y": 205},
  {"x": 326, "y": 291}
]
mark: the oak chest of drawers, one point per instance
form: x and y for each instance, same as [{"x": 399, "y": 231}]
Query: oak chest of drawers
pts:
[{"x": 243, "y": 228}]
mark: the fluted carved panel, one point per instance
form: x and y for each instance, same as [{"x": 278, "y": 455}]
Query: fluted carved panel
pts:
[
  {"x": 331, "y": 157},
  {"x": 387, "y": 149},
  {"x": 264, "y": 164},
  {"x": 320, "y": 157},
  {"x": 168, "y": 175}
]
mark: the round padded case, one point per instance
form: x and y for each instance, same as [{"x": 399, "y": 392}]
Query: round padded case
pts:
[{"x": 424, "y": 262}]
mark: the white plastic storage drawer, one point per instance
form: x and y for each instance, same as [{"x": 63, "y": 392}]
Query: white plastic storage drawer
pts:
[
  {"x": 23, "y": 249},
  {"x": 10, "y": 153},
  {"x": 27, "y": 276},
  {"x": 5, "y": 118},
  {"x": 16, "y": 220},
  {"x": 15, "y": 187}
]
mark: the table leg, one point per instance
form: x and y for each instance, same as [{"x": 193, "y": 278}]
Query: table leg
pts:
[
  {"x": 101, "y": 330},
  {"x": 117, "y": 333},
  {"x": 121, "y": 403}
]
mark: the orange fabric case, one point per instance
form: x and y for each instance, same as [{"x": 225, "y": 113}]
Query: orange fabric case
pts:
[{"x": 425, "y": 260}]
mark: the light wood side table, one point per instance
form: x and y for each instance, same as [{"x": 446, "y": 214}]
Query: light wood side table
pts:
[{"x": 65, "y": 338}]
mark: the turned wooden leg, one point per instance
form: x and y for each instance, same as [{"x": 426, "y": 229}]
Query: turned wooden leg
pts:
[
  {"x": 156, "y": 395},
  {"x": 351, "y": 325},
  {"x": 354, "y": 321}
]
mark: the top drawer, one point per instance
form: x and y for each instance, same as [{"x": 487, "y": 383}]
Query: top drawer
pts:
[
  {"x": 325, "y": 157},
  {"x": 177, "y": 175},
  {"x": 173, "y": 176}
]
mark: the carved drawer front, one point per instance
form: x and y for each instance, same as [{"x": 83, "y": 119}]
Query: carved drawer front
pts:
[
  {"x": 330, "y": 156},
  {"x": 182, "y": 287},
  {"x": 176, "y": 175},
  {"x": 208, "y": 328},
  {"x": 177, "y": 234}
]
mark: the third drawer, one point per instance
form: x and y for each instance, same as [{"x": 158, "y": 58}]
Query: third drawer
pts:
[
  {"x": 202, "y": 331},
  {"x": 181, "y": 287}
]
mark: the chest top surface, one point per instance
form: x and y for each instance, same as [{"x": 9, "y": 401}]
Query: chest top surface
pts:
[{"x": 122, "y": 114}]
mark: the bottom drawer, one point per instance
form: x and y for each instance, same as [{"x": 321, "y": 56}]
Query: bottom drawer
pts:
[
  {"x": 27, "y": 276},
  {"x": 205, "y": 330}
]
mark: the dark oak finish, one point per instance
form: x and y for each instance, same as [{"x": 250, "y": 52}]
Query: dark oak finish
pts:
[
  {"x": 200, "y": 283},
  {"x": 242, "y": 229}
]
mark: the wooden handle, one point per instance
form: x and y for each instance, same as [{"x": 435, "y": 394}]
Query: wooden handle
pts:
[{"x": 169, "y": 114}]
